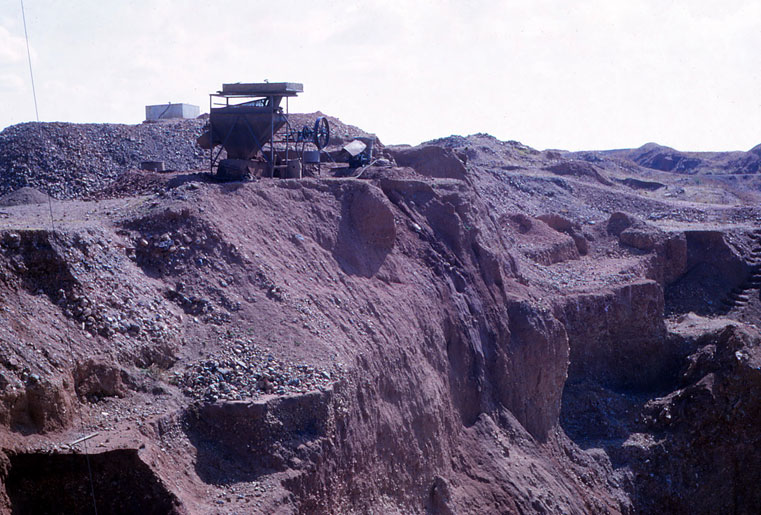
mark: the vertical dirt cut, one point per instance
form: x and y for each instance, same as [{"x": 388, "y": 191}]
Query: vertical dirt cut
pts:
[{"x": 59, "y": 483}]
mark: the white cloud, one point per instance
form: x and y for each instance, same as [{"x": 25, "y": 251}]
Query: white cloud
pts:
[
  {"x": 11, "y": 83},
  {"x": 12, "y": 47}
]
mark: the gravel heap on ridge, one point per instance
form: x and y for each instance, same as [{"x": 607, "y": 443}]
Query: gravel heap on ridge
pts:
[{"x": 70, "y": 160}]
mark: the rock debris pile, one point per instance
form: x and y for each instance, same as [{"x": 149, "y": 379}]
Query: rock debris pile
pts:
[
  {"x": 247, "y": 371},
  {"x": 69, "y": 160}
]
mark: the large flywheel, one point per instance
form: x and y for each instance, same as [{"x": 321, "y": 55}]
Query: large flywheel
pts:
[{"x": 321, "y": 133}]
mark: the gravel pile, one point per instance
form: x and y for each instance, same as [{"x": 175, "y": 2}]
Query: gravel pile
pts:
[
  {"x": 23, "y": 196},
  {"x": 340, "y": 132},
  {"x": 247, "y": 371},
  {"x": 69, "y": 160},
  {"x": 74, "y": 161}
]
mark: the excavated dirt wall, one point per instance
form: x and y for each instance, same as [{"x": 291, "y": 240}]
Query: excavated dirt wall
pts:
[
  {"x": 714, "y": 267},
  {"x": 60, "y": 483},
  {"x": 468, "y": 355},
  {"x": 440, "y": 347},
  {"x": 618, "y": 337},
  {"x": 436, "y": 337}
]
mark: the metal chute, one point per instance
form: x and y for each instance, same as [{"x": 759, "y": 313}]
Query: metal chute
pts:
[{"x": 246, "y": 121}]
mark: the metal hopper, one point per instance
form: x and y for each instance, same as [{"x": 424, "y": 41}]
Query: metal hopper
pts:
[{"x": 245, "y": 124}]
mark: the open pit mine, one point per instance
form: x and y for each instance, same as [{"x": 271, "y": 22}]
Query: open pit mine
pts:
[{"x": 261, "y": 312}]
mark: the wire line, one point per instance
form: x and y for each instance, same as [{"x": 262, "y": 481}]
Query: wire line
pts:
[
  {"x": 52, "y": 227},
  {"x": 29, "y": 58}
]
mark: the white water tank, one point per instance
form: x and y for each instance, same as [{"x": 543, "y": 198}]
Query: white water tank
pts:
[{"x": 166, "y": 111}]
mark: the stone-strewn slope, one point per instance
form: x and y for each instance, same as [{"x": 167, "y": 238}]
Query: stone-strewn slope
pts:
[{"x": 477, "y": 330}]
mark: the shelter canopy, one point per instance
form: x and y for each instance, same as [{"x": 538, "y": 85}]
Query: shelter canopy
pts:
[{"x": 262, "y": 89}]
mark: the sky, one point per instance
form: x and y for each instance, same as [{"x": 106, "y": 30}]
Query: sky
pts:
[{"x": 574, "y": 75}]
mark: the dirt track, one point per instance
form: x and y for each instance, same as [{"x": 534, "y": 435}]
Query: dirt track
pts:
[{"x": 477, "y": 328}]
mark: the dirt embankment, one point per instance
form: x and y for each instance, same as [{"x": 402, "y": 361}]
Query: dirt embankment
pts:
[
  {"x": 479, "y": 329},
  {"x": 392, "y": 328}
]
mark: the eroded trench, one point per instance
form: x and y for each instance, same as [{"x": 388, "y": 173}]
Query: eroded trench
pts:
[
  {"x": 673, "y": 409},
  {"x": 609, "y": 398},
  {"x": 113, "y": 482}
]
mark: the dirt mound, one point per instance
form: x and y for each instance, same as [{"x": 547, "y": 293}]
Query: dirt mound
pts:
[
  {"x": 25, "y": 195},
  {"x": 572, "y": 229},
  {"x": 547, "y": 245},
  {"x": 580, "y": 169},
  {"x": 663, "y": 158},
  {"x": 486, "y": 151},
  {"x": 658, "y": 157},
  {"x": 642, "y": 185},
  {"x": 133, "y": 182},
  {"x": 743, "y": 162},
  {"x": 432, "y": 161}
]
